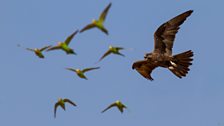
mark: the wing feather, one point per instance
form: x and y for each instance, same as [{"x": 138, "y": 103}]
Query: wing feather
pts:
[
  {"x": 69, "y": 101},
  {"x": 87, "y": 27},
  {"x": 165, "y": 34},
  {"x": 88, "y": 69},
  {"x": 69, "y": 38},
  {"x": 104, "y": 13},
  {"x": 110, "y": 106}
]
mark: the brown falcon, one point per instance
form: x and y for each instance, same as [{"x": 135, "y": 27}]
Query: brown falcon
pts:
[{"x": 162, "y": 53}]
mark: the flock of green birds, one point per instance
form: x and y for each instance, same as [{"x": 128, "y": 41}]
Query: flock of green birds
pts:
[
  {"x": 160, "y": 57},
  {"x": 64, "y": 46}
]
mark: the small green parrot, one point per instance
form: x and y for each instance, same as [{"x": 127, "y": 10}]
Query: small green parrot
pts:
[
  {"x": 99, "y": 23},
  {"x": 114, "y": 50},
  {"x": 38, "y": 52},
  {"x": 117, "y": 104},
  {"x": 80, "y": 73},
  {"x": 64, "y": 45},
  {"x": 61, "y": 102}
]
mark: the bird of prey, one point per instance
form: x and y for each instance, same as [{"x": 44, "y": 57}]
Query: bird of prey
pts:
[
  {"x": 112, "y": 50},
  {"x": 80, "y": 73},
  {"x": 99, "y": 23},
  {"x": 117, "y": 104},
  {"x": 61, "y": 102},
  {"x": 38, "y": 51},
  {"x": 162, "y": 56},
  {"x": 65, "y": 45}
]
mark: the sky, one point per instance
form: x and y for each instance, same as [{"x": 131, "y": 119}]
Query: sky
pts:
[{"x": 30, "y": 86}]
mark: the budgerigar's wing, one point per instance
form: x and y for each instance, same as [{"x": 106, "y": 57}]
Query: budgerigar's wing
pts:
[
  {"x": 69, "y": 38},
  {"x": 112, "y": 105},
  {"x": 87, "y": 27},
  {"x": 165, "y": 34},
  {"x": 69, "y": 101},
  {"x": 55, "y": 109},
  {"x": 42, "y": 49},
  {"x": 104, "y": 13},
  {"x": 71, "y": 69},
  {"x": 119, "y": 48},
  {"x": 105, "y": 54},
  {"x": 53, "y": 48},
  {"x": 88, "y": 69},
  {"x": 29, "y": 49}
]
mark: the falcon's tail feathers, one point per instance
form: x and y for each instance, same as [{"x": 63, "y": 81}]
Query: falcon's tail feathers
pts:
[{"x": 180, "y": 63}]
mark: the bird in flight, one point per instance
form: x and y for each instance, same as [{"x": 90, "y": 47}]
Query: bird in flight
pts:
[
  {"x": 162, "y": 56},
  {"x": 80, "y": 73},
  {"x": 117, "y": 104},
  {"x": 99, "y": 23},
  {"x": 61, "y": 102},
  {"x": 65, "y": 45},
  {"x": 112, "y": 50},
  {"x": 38, "y": 51}
]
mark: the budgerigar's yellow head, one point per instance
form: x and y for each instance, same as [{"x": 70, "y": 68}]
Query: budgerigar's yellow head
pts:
[
  {"x": 94, "y": 21},
  {"x": 78, "y": 70},
  {"x": 110, "y": 47},
  {"x": 60, "y": 43},
  {"x": 118, "y": 102},
  {"x": 59, "y": 99}
]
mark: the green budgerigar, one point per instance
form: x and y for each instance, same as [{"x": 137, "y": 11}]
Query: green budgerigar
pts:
[
  {"x": 117, "y": 104},
  {"x": 65, "y": 45},
  {"x": 61, "y": 102},
  {"x": 80, "y": 72},
  {"x": 99, "y": 23},
  {"x": 38, "y": 51},
  {"x": 112, "y": 50}
]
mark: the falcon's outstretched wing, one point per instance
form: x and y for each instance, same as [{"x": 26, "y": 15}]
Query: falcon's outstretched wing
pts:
[{"x": 165, "y": 34}]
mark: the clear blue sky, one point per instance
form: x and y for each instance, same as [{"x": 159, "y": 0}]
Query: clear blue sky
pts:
[{"x": 30, "y": 86}]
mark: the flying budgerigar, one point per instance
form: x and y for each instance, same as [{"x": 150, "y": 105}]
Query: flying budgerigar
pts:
[
  {"x": 61, "y": 102},
  {"x": 98, "y": 23},
  {"x": 117, "y": 104},
  {"x": 65, "y": 45},
  {"x": 112, "y": 50},
  {"x": 80, "y": 73},
  {"x": 162, "y": 54},
  {"x": 38, "y": 51}
]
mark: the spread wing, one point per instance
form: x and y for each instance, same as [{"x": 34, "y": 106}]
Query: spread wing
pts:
[
  {"x": 69, "y": 38},
  {"x": 71, "y": 69},
  {"x": 53, "y": 48},
  {"x": 29, "y": 49},
  {"x": 165, "y": 34},
  {"x": 55, "y": 109},
  {"x": 42, "y": 49},
  {"x": 105, "y": 54},
  {"x": 87, "y": 27},
  {"x": 119, "y": 48},
  {"x": 104, "y": 13},
  {"x": 88, "y": 69},
  {"x": 145, "y": 68},
  {"x": 112, "y": 105},
  {"x": 69, "y": 101}
]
